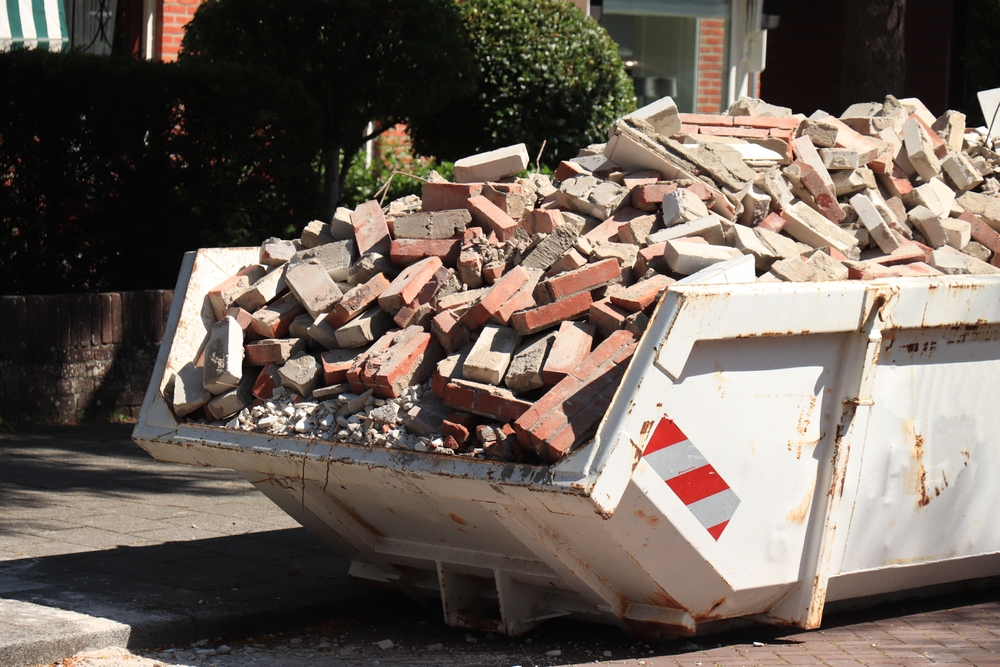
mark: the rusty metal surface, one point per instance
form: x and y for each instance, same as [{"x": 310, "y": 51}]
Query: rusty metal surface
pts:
[{"x": 851, "y": 421}]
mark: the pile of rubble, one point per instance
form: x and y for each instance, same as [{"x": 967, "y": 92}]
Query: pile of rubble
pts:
[{"x": 495, "y": 316}]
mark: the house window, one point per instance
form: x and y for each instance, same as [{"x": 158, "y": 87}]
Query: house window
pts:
[{"x": 662, "y": 45}]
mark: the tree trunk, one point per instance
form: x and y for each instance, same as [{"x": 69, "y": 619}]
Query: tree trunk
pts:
[
  {"x": 332, "y": 178},
  {"x": 874, "y": 51}
]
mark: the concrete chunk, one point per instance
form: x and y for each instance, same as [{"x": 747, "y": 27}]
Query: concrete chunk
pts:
[
  {"x": 432, "y": 224},
  {"x": 525, "y": 370},
  {"x": 301, "y": 374},
  {"x": 662, "y": 115},
  {"x": 364, "y": 329},
  {"x": 681, "y": 206}
]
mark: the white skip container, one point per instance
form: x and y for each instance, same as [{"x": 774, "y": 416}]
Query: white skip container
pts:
[{"x": 772, "y": 448}]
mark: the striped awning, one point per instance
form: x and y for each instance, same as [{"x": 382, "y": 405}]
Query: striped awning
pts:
[{"x": 33, "y": 24}]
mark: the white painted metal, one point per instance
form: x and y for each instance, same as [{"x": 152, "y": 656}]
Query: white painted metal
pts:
[{"x": 855, "y": 423}]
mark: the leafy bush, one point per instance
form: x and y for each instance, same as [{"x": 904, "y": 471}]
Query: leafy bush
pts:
[
  {"x": 110, "y": 169},
  {"x": 546, "y": 72},
  {"x": 371, "y": 61},
  {"x": 394, "y": 154}
]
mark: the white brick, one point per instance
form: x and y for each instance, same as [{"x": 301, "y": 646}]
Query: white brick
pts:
[
  {"x": 687, "y": 258},
  {"x": 876, "y": 225},
  {"x": 224, "y": 356},
  {"x": 804, "y": 224},
  {"x": 959, "y": 232},
  {"x": 919, "y": 150},
  {"x": 928, "y": 224},
  {"x": 492, "y": 165},
  {"x": 491, "y": 354},
  {"x": 661, "y": 114}
]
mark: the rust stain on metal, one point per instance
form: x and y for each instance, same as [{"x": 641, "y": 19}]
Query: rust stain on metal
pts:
[
  {"x": 651, "y": 519},
  {"x": 663, "y": 599},
  {"x": 646, "y": 427},
  {"x": 457, "y": 519},
  {"x": 916, "y": 482},
  {"x": 801, "y": 511}
]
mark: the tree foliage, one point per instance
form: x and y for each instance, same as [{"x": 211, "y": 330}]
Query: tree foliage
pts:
[
  {"x": 110, "y": 169},
  {"x": 545, "y": 72},
  {"x": 372, "y": 61}
]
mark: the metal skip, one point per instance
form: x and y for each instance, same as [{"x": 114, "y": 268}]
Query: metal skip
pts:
[{"x": 772, "y": 449}]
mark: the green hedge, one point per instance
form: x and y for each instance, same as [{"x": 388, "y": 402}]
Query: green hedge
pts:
[
  {"x": 110, "y": 169},
  {"x": 546, "y": 72}
]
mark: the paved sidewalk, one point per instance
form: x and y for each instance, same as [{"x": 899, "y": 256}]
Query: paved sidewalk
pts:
[{"x": 101, "y": 545}]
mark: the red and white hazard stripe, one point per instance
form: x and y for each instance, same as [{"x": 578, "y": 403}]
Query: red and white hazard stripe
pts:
[{"x": 691, "y": 477}]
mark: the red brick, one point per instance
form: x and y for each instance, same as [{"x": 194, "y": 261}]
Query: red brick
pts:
[
  {"x": 571, "y": 347},
  {"x": 225, "y": 293},
  {"x": 615, "y": 348},
  {"x": 404, "y": 252},
  {"x": 273, "y": 350},
  {"x": 370, "y": 229},
  {"x": 706, "y": 119},
  {"x": 583, "y": 279},
  {"x": 905, "y": 254},
  {"x": 606, "y": 316},
  {"x": 497, "y": 296},
  {"x": 567, "y": 169},
  {"x": 242, "y": 317},
  {"x": 982, "y": 233},
  {"x": 273, "y": 320},
  {"x": 739, "y": 132},
  {"x": 356, "y": 369},
  {"x": 561, "y": 443},
  {"x": 267, "y": 381},
  {"x": 637, "y": 178},
  {"x": 408, "y": 284},
  {"x": 765, "y": 122},
  {"x": 544, "y": 221},
  {"x": 484, "y": 400},
  {"x": 449, "y": 332},
  {"x": 542, "y": 317},
  {"x": 419, "y": 310},
  {"x": 445, "y": 196},
  {"x": 357, "y": 300},
  {"x": 772, "y": 222},
  {"x": 608, "y": 230},
  {"x": 407, "y": 364},
  {"x": 639, "y": 296},
  {"x": 493, "y": 272},
  {"x": 460, "y": 426},
  {"x": 490, "y": 217},
  {"x": 648, "y": 198},
  {"x": 701, "y": 191},
  {"x": 896, "y": 183},
  {"x": 689, "y": 129},
  {"x": 336, "y": 363},
  {"x": 650, "y": 257},
  {"x": 523, "y": 299}
]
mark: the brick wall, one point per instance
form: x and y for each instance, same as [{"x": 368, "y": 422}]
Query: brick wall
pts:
[
  {"x": 173, "y": 16},
  {"x": 711, "y": 64},
  {"x": 67, "y": 357}
]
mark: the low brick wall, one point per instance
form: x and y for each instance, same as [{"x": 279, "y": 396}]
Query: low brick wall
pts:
[{"x": 68, "y": 357}]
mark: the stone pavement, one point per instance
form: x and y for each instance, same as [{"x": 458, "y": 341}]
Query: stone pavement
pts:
[{"x": 102, "y": 545}]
